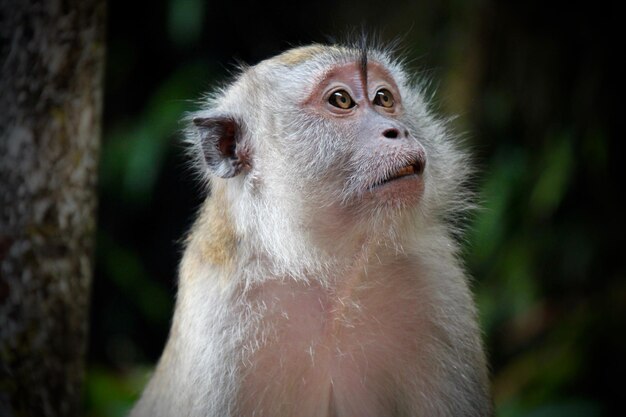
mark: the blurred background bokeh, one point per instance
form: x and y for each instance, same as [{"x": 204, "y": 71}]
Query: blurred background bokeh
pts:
[{"x": 534, "y": 88}]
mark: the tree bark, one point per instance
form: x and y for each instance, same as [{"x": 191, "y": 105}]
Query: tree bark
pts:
[{"x": 51, "y": 67}]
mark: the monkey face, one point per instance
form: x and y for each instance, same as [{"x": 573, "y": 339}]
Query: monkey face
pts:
[{"x": 373, "y": 156}]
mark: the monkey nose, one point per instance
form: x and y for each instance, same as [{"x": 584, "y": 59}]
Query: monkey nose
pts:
[{"x": 394, "y": 133}]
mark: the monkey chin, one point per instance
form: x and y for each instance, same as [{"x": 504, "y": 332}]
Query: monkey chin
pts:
[{"x": 405, "y": 191}]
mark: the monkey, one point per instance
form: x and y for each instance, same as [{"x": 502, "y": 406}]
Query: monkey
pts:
[{"x": 322, "y": 276}]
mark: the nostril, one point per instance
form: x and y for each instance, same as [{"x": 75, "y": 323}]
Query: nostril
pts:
[{"x": 391, "y": 133}]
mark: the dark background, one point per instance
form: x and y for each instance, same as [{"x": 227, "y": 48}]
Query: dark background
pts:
[{"x": 534, "y": 86}]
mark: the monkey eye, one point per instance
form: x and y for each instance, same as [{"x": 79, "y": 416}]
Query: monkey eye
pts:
[
  {"x": 384, "y": 98},
  {"x": 341, "y": 99}
]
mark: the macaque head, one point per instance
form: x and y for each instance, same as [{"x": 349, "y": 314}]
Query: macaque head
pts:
[{"x": 326, "y": 136}]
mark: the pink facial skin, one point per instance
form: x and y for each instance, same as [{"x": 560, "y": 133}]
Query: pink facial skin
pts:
[{"x": 389, "y": 160}]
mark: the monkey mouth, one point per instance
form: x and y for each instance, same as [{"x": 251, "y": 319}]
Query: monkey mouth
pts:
[{"x": 414, "y": 169}]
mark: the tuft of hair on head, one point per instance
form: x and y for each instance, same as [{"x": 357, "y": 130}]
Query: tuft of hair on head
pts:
[{"x": 367, "y": 41}]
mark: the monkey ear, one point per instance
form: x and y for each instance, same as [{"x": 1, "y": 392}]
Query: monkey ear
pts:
[{"x": 221, "y": 143}]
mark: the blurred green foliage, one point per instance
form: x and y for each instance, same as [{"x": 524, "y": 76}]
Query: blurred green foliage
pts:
[
  {"x": 110, "y": 393},
  {"x": 134, "y": 151},
  {"x": 534, "y": 89}
]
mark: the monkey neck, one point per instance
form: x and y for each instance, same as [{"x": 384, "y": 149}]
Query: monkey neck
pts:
[{"x": 317, "y": 246}]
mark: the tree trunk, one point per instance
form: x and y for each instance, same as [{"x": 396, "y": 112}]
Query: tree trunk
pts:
[{"x": 51, "y": 67}]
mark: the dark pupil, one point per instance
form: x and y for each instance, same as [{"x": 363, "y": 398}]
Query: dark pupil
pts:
[{"x": 343, "y": 99}]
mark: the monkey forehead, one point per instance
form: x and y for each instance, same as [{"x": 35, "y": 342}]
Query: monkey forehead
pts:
[
  {"x": 317, "y": 56},
  {"x": 312, "y": 65}
]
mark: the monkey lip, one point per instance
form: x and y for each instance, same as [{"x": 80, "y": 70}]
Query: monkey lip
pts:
[
  {"x": 404, "y": 171},
  {"x": 415, "y": 169}
]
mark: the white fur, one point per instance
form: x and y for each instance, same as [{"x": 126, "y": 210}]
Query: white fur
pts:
[{"x": 322, "y": 314}]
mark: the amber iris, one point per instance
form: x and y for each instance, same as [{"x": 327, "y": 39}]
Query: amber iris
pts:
[
  {"x": 341, "y": 99},
  {"x": 384, "y": 98}
]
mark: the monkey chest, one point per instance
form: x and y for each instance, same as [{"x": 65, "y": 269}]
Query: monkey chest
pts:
[{"x": 319, "y": 353}]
